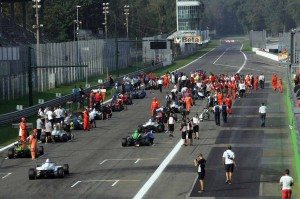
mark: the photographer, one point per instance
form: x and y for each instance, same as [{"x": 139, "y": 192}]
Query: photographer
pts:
[{"x": 200, "y": 163}]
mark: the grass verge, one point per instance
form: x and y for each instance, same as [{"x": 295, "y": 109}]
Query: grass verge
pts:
[
  {"x": 295, "y": 147},
  {"x": 8, "y": 135}
]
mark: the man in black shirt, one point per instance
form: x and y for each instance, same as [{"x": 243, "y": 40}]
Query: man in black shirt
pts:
[{"x": 200, "y": 163}]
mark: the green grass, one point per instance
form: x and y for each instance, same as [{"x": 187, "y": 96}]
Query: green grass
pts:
[
  {"x": 247, "y": 47},
  {"x": 295, "y": 147},
  {"x": 8, "y": 134},
  {"x": 9, "y": 106}
]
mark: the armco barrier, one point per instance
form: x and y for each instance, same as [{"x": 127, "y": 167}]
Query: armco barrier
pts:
[
  {"x": 15, "y": 116},
  {"x": 265, "y": 54}
]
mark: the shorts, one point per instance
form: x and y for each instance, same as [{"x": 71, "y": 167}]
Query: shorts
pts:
[
  {"x": 201, "y": 175},
  {"x": 48, "y": 134},
  {"x": 171, "y": 127},
  {"x": 183, "y": 135},
  {"x": 229, "y": 167},
  {"x": 196, "y": 128},
  {"x": 190, "y": 134}
]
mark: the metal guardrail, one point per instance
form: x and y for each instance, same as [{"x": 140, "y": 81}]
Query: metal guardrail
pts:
[{"x": 15, "y": 116}]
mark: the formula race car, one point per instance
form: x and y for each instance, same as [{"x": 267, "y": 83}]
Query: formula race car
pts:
[
  {"x": 18, "y": 152},
  {"x": 138, "y": 94},
  {"x": 154, "y": 126},
  {"x": 58, "y": 136},
  {"x": 48, "y": 170},
  {"x": 137, "y": 139}
]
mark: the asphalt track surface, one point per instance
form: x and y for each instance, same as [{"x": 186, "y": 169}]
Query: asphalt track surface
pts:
[{"x": 101, "y": 168}]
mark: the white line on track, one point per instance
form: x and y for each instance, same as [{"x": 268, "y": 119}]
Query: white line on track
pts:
[
  {"x": 6, "y": 175},
  {"x": 76, "y": 183},
  {"x": 245, "y": 61},
  {"x": 115, "y": 183},
  {"x": 137, "y": 161},
  {"x": 220, "y": 56},
  {"x": 168, "y": 159}
]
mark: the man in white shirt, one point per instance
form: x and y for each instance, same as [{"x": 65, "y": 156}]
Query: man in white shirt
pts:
[
  {"x": 196, "y": 126},
  {"x": 261, "y": 80},
  {"x": 262, "y": 112},
  {"x": 160, "y": 84},
  {"x": 286, "y": 183},
  {"x": 242, "y": 89},
  {"x": 171, "y": 124},
  {"x": 229, "y": 162}
]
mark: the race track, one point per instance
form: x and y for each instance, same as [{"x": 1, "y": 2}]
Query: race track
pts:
[{"x": 101, "y": 168}]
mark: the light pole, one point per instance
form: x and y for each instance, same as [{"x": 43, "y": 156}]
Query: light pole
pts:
[
  {"x": 105, "y": 12},
  {"x": 37, "y": 26},
  {"x": 126, "y": 13},
  {"x": 77, "y": 20}
]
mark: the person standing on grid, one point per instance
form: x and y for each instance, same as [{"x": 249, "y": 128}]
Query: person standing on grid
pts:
[{"x": 262, "y": 114}]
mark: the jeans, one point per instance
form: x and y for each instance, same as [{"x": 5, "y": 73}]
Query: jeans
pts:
[{"x": 263, "y": 119}]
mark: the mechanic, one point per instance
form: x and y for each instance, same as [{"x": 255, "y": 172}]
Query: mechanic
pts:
[
  {"x": 23, "y": 132},
  {"x": 154, "y": 105},
  {"x": 200, "y": 163},
  {"x": 150, "y": 136},
  {"x": 33, "y": 143},
  {"x": 86, "y": 120},
  {"x": 274, "y": 82},
  {"x": 229, "y": 162}
]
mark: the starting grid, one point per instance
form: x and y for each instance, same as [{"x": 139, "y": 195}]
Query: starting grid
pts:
[
  {"x": 113, "y": 181},
  {"x": 4, "y": 175}
]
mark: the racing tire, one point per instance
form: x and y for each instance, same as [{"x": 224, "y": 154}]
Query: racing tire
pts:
[
  {"x": 66, "y": 169},
  {"x": 124, "y": 142},
  {"x": 10, "y": 153},
  {"x": 43, "y": 138},
  {"x": 205, "y": 116},
  {"x": 60, "y": 172},
  {"x": 32, "y": 174},
  {"x": 160, "y": 128},
  {"x": 41, "y": 150},
  {"x": 64, "y": 138}
]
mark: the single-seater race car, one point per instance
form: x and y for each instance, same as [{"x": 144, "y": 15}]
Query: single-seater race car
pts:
[
  {"x": 58, "y": 135},
  {"x": 48, "y": 170},
  {"x": 139, "y": 139},
  {"x": 154, "y": 126},
  {"x": 18, "y": 152}
]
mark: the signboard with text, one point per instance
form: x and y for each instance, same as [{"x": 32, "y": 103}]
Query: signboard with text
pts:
[{"x": 188, "y": 39}]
